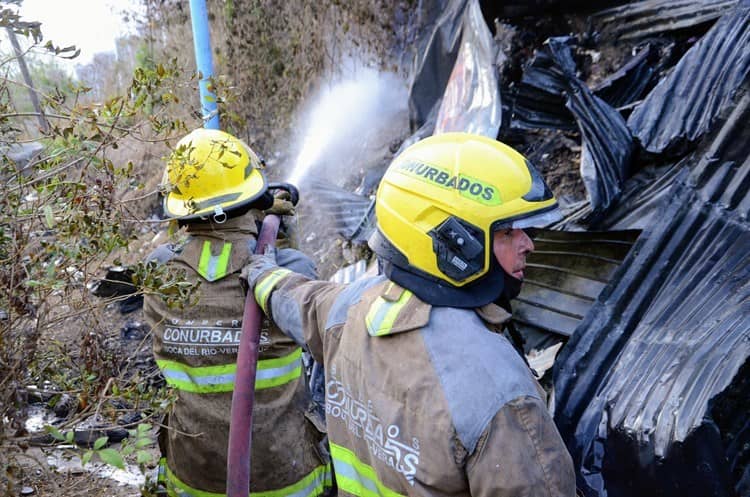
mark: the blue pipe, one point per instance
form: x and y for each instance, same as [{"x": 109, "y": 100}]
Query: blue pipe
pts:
[{"x": 204, "y": 62}]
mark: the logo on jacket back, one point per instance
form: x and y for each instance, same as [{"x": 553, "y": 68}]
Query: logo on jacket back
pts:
[
  {"x": 360, "y": 419},
  {"x": 201, "y": 337}
]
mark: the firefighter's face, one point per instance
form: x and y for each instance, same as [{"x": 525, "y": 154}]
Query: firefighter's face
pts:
[{"x": 511, "y": 246}]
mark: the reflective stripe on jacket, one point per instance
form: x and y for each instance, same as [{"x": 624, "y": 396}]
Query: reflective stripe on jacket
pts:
[
  {"x": 213, "y": 379},
  {"x": 196, "y": 349},
  {"x": 310, "y": 486},
  {"x": 420, "y": 400}
]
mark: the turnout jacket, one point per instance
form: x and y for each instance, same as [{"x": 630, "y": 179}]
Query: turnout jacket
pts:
[
  {"x": 420, "y": 400},
  {"x": 196, "y": 350}
]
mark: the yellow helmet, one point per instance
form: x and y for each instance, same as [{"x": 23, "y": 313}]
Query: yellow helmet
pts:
[
  {"x": 210, "y": 172},
  {"x": 439, "y": 203}
]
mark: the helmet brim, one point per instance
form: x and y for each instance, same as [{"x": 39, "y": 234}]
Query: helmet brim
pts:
[{"x": 178, "y": 207}]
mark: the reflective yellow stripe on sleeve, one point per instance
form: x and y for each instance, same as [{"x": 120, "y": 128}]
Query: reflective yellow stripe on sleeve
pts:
[
  {"x": 355, "y": 477},
  {"x": 215, "y": 379},
  {"x": 214, "y": 267},
  {"x": 311, "y": 485},
  {"x": 264, "y": 287},
  {"x": 383, "y": 313}
]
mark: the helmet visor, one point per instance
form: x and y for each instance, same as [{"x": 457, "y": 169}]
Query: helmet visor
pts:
[{"x": 539, "y": 219}]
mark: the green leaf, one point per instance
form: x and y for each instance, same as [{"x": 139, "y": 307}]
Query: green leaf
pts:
[
  {"x": 48, "y": 217},
  {"x": 69, "y": 437},
  {"x": 100, "y": 442},
  {"x": 143, "y": 457},
  {"x": 127, "y": 450},
  {"x": 143, "y": 427},
  {"x": 142, "y": 442},
  {"x": 86, "y": 457},
  {"x": 57, "y": 434},
  {"x": 112, "y": 457}
]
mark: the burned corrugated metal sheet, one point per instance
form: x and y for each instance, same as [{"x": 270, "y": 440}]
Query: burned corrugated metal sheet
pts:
[
  {"x": 353, "y": 272},
  {"x": 652, "y": 389},
  {"x": 639, "y": 205},
  {"x": 538, "y": 100},
  {"x": 607, "y": 150},
  {"x": 607, "y": 144},
  {"x": 350, "y": 215},
  {"x": 654, "y": 17},
  {"x": 681, "y": 108},
  {"x": 629, "y": 83},
  {"x": 519, "y": 10},
  {"x": 564, "y": 276}
]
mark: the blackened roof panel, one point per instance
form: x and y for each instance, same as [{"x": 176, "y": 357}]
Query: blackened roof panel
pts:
[
  {"x": 653, "y": 17},
  {"x": 651, "y": 382},
  {"x": 682, "y": 107}
]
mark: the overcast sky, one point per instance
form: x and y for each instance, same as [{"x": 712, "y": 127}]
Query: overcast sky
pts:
[{"x": 90, "y": 25}]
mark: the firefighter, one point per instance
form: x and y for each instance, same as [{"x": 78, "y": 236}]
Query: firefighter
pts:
[
  {"x": 423, "y": 395},
  {"x": 216, "y": 191}
]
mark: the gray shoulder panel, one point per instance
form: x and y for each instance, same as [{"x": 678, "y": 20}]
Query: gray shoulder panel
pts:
[
  {"x": 162, "y": 254},
  {"x": 296, "y": 261},
  {"x": 347, "y": 298},
  {"x": 479, "y": 370}
]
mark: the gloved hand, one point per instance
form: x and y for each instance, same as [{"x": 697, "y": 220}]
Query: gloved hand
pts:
[
  {"x": 284, "y": 208},
  {"x": 282, "y": 204},
  {"x": 259, "y": 264}
]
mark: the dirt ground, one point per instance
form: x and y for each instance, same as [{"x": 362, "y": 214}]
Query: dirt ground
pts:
[
  {"x": 36, "y": 465},
  {"x": 68, "y": 479}
]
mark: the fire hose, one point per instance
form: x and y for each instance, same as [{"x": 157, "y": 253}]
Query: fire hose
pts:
[{"x": 241, "y": 421}]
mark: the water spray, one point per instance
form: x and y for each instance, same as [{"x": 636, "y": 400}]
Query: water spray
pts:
[{"x": 344, "y": 116}]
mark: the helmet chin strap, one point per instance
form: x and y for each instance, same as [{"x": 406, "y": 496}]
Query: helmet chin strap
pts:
[
  {"x": 512, "y": 286},
  {"x": 439, "y": 293},
  {"x": 511, "y": 289}
]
